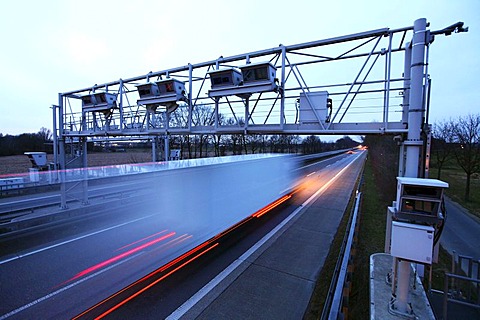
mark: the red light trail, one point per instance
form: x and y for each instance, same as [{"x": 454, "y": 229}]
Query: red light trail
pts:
[
  {"x": 138, "y": 241},
  {"x": 271, "y": 206},
  {"x": 118, "y": 257},
  {"x": 174, "y": 265}
]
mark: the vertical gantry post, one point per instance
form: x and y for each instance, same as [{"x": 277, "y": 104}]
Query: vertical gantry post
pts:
[
  {"x": 55, "y": 141},
  {"x": 282, "y": 88},
  {"x": 154, "y": 149},
  {"x": 413, "y": 143},
  {"x": 85, "y": 171},
  {"x": 61, "y": 147},
  {"x": 167, "y": 138},
  {"x": 405, "y": 104},
  {"x": 387, "y": 79},
  {"x": 416, "y": 108},
  {"x": 401, "y": 160},
  {"x": 247, "y": 113},
  {"x": 83, "y": 155},
  {"x": 166, "y": 146},
  {"x": 121, "y": 105},
  {"x": 406, "y": 83},
  {"x": 428, "y": 147},
  {"x": 190, "y": 89},
  {"x": 217, "y": 99}
]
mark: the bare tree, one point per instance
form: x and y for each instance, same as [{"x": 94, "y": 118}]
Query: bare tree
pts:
[
  {"x": 274, "y": 142},
  {"x": 295, "y": 140},
  {"x": 203, "y": 115},
  {"x": 311, "y": 144},
  {"x": 254, "y": 140},
  {"x": 263, "y": 143},
  {"x": 45, "y": 134},
  {"x": 467, "y": 135},
  {"x": 179, "y": 118},
  {"x": 237, "y": 140},
  {"x": 218, "y": 139},
  {"x": 442, "y": 143}
]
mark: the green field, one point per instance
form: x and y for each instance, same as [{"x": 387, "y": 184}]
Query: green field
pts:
[{"x": 456, "y": 179}]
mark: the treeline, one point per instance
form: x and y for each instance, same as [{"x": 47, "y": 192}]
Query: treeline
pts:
[
  {"x": 459, "y": 140},
  {"x": 199, "y": 146},
  {"x": 453, "y": 141},
  {"x": 384, "y": 154},
  {"x": 235, "y": 144},
  {"x": 14, "y": 145},
  {"x": 192, "y": 146},
  {"x": 225, "y": 144}
]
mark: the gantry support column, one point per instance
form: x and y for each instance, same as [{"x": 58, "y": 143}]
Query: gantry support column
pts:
[{"x": 414, "y": 143}]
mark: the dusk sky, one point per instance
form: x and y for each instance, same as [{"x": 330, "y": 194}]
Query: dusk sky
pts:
[{"x": 58, "y": 46}]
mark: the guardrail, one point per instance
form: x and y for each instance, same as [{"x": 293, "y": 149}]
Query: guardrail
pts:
[
  {"x": 343, "y": 272},
  {"x": 460, "y": 297},
  {"x": 13, "y": 208},
  {"x": 337, "y": 297},
  {"x": 322, "y": 154},
  {"x": 461, "y": 287}
]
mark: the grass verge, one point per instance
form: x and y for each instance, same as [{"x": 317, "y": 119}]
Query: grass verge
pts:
[
  {"x": 456, "y": 179},
  {"x": 371, "y": 239}
]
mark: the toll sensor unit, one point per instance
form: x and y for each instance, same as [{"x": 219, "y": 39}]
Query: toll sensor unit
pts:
[
  {"x": 419, "y": 200},
  {"x": 315, "y": 107},
  {"x": 244, "y": 80},
  {"x": 224, "y": 82},
  {"x": 99, "y": 102},
  {"x": 412, "y": 242},
  {"x": 165, "y": 92},
  {"x": 412, "y": 219}
]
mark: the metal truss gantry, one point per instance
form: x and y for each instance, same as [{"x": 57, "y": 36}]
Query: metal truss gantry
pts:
[
  {"x": 355, "y": 70},
  {"x": 373, "y": 82},
  {"x": 354, "y": 84}
]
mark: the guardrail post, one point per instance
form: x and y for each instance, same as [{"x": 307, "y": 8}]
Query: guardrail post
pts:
[{"x": 445, "y": 296}]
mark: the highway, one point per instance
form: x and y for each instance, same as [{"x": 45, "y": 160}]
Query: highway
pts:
[
  {"x": 461, "y": 231},
  {"x": 61, "y": 270}
]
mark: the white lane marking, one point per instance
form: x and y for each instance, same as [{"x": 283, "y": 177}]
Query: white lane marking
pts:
[
  {"x": 48, "y": 296},
  {"x": 71, "y": 240},
  {"x": 187, "y": 305},
  {"x": 315, "y": 163}
]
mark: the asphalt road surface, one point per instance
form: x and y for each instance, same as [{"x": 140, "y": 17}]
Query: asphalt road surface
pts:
[
  {"x": 461, "y": 233},
  {"x": 59, "y": 271}
]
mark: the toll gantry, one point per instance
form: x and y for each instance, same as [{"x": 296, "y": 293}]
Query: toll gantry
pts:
[
  {"x": 373, "y": 82},
  {"x": 351, "y": 84}
]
